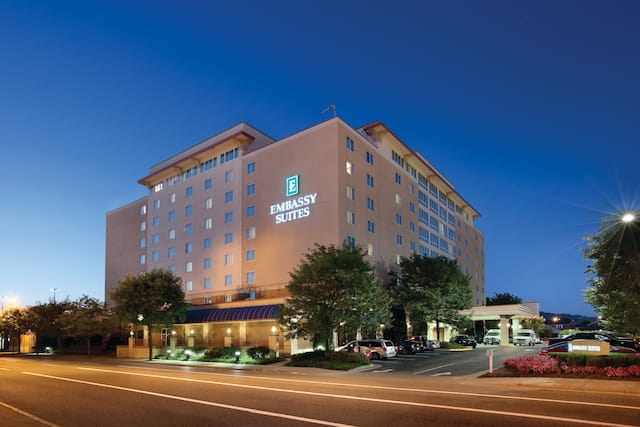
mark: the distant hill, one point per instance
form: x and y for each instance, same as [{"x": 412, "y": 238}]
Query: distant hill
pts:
[{"x": 578, "y": 318}]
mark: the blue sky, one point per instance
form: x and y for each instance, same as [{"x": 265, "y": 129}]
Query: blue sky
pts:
[{"x": 530, "y": 108}]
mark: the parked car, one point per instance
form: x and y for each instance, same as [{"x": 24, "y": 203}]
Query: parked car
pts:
[
  {"x": 563, "y": 347},
  {"x": 422, "y": 343},
  {"x": 525, "y": 337},
  {"x": 407, "y": 347},
  {"x": 434, "y": 344},
  {"x": 465, "y": 340},
  {"x": 379, "y": 349},
  {"x": 492, "y": 337}
]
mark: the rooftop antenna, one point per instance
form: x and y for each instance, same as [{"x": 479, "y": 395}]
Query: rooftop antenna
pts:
[{"x": 331, "y": 107}]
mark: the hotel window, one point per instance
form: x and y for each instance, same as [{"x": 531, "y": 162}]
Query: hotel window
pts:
[
  {"x": 208, "y": 224},
  {"x": 228, "y": 196},
  {"x": 398, "y": 219},
  {"x": 370, "y": 249},
  {"x": 228, "y": 176},
  {"x": 412, "y": 189},
  {"x": 172, "y": 198},
  {"x": 369, "y": 180},
  {"x": 156, "y": 256},
  {"x": 172, "y": 234},
  {"x": 143, "y": 242},
  {"x": 251, "y": 189},
  {"x": 398, "y": 259},
  {"x": 172, "y": 216},
  {"x": 156, "y": 204},
  {"x": 251, "y": 255},
  {"x": 350, "y": 144},
  {"x": 349, "y": 168},
  {"x": 228, "y": 259},
  {"x": 189, "y": 191},
  {"x": 251, "y": 168},
  {"x": 398, "y": 178},
  {"x": 351, "y": 241},
  {"x": 399, "y": 239},
  {"x": 188, "y": 285},
  {"x": 188, "y": 229},
  {"x": 171, "y": 252},
  {"x": 156, "y": 221},
  {"x": 228, "y": 217},
  {"x": 207, "y": 263},
  {"x": 424, "y": 235},
  {"x": 208, "y": 204},
  {"x": 228, "y": 280},
  {"x": 251, "y": 233},
  {"x": 412, "y": 227},
  {"x": 188, "y": 267},
  {"x": 228, "y": 298},
  {"x": 172, "y": 268},
  {"x": 435, "y": 241},
  {"x": 143, "y": 210},
  {"x": 371, "y": 227},
  {"x": 188, "y": 210},
  {"x": 412, "y": 207},
  {"x": 156, "y": 239},
  {"x": 207, "y": 285},
  {"x": 412, "y": 245},
  {"x": 351, "y": 193},
  {"x": 351, "y": 217},
  {"x": 251, "y": 211},
  {"x": 207, "y": 243},
  {"x": 188, "y": 248},
  {"x": 369, "y": 158},
  {"x": 228, "y": 238},
  {"x": 434, "y": 223},
  {"x": 370, "y": 204},
  {"x": 398, "y": 199},
  {"x": 251, "y": 277},
  {"x": 208, "y": 183}
]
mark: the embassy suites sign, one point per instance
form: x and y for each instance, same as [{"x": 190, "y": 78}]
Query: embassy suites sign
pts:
[{"x": 294, "y": 208}]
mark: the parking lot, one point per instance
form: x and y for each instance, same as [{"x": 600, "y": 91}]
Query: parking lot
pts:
[{"x": 442, "y": 362}]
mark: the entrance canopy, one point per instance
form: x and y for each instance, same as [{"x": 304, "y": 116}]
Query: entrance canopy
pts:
[
  {"x": 495, "y": 312},
  {"x": 260, "y": 312}
]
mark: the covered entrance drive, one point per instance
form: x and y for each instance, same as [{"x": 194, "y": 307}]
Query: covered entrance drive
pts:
[{"x": 508, "y": 315}]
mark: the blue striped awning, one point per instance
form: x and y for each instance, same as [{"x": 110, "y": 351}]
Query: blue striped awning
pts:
[{"x": 260, "y": 312}]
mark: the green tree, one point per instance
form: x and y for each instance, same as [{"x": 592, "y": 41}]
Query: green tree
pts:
[
  {"x": 152, "y": 298},
  {"x": 536, "y": 324},
  {"x": 86, "y": 318},
  {"x": 614, "y": 272},
  {"x": 431, "y": 288},
  {"x": 333, "y": 287},
  {"x": 45, "y": 318},
  {"x": 13, "y": 323},
  {"x": 503, "y": 298}
]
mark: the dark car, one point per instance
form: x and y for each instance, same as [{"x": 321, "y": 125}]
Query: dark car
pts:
[
  {"x": 464, "y": 340},
  {"x": 421, "y": 343},
  {"x": 407, "y": 347}
]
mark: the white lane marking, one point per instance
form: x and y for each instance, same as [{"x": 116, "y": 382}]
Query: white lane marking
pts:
[
  {"x": 309, "y": 393},
  {"x": 4, "y": 369},
  {"x": 384, "y": 370},
  {"x": 433, "y": 369},
  {"x": 201, "y": 402},
  {"x": 440, "y": 374},
  {"x": 28, "y": 415},
  {"x": 413, "y": 390}
]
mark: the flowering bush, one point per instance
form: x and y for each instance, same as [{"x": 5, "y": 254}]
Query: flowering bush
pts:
[{"x": 540, "y": 364}]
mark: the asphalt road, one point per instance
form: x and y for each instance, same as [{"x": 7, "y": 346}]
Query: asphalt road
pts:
[{"x": 51, "y": 391}]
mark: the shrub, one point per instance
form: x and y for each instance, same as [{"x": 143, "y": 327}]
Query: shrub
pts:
[
  {"x": 221, "y": 353},
  {"x": 534, "y": 364},
  {"x": 341, "y": 360},
  {"x": 576, "y": 364},
  {"x": 259, "y": 352}
]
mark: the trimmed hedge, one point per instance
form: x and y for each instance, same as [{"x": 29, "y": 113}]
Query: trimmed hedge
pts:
[{"x": 575, "y": 360}]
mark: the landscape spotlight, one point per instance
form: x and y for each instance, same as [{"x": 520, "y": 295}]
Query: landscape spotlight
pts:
[{"x": 237, "y": 357}]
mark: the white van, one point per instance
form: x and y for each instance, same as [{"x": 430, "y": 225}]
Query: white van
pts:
[
  {"x": 492, "y": 337},
  {"x": 525, "y": 337}
]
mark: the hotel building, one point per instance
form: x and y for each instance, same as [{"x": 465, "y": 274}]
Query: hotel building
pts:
[{"x": 234, "y": 214}]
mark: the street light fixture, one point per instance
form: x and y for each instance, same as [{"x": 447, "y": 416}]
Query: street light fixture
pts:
[
  {"x": 628, "y": 217},
  {"x": 54, "y": 294}
]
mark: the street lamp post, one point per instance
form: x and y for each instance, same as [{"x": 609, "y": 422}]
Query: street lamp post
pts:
[{"x": 54, "y": 294}]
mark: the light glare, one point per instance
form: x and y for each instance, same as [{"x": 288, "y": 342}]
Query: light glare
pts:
[{"x": 628, "y": 217}]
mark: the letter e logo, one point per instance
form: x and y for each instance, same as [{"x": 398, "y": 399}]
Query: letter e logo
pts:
[{"x": 292, "y": 186}]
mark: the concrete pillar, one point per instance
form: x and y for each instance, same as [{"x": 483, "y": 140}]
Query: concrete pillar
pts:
[
  {"x": 504, "y": 330},
  {"x": 205, "y": 334},
  {"x": 242, "y": 333},
  {"x": 131, "y": 343},
  {"x": 515, "y": 325}
]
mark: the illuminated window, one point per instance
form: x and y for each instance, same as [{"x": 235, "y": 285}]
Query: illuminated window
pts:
[
  {"x": 208, "y": 204},
  {"x": 370, "y": 249},
  {"x": 398, "y": 199},
  {"x": 351, "y": 193},
  {"x": 349, "y": 168},
  {"x": 208, "y": 223},
  {"x": 228, "y": 259},
  {"x": 156, "y": 204},
  {"x": 189, "y": 285},
  {"x": 351, "y": 217},
  {"x": 143, "y": 210},
  {"x": 188, "y": 267},
  {"x": 172, "y": 198},
  {"x": 251, "y": 233},
  {"x": 172, "y": 234}
]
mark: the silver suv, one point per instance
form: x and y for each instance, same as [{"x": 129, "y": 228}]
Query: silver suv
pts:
[{"x": 379, "y": 349}]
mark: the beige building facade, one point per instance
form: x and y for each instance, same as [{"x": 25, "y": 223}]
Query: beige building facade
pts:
[{"x": 234, "y": 214}]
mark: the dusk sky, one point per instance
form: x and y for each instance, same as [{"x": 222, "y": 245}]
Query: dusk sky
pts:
[{"x": 530, "y": 108}]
